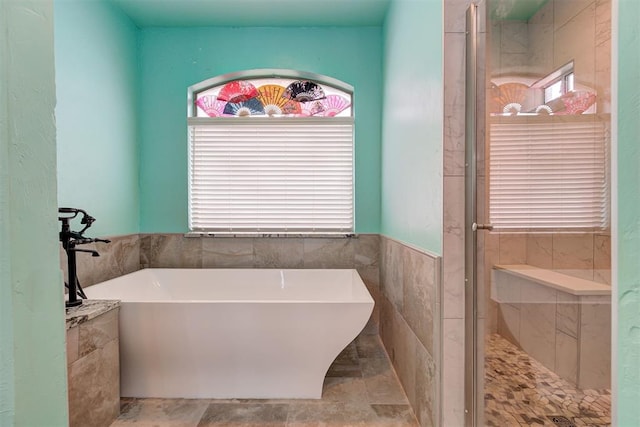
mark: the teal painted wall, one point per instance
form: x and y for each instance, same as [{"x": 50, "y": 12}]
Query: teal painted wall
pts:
[
  {"x": 412, "y": 124},
  {"x": 172, "y": 59},
  {"x": 96, "y": 79},
  {"x": 32, "y": 333},
  {"x": 628, "y": 233}
]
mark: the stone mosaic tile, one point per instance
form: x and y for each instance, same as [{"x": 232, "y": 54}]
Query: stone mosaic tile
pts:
[
  {"x": 520, "y": 391},
  {"x": 361, "y": 389}
]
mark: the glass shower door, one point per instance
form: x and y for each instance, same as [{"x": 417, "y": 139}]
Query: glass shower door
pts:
[{"x": 537, "y": 236}]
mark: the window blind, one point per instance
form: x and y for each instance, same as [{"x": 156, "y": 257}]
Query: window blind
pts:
[
  {"x": 271, "y": 175},
  {"x": 549, "y": 173}
]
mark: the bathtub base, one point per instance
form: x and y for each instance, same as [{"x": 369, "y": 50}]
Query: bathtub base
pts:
[{"x": 245, "y": 350}]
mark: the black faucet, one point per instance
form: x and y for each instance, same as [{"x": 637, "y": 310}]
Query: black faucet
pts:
[{"x": 69, "y": 241}]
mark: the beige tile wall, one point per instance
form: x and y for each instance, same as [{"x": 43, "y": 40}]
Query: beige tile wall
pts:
[
  {"x": 93, "y": 370},
  {"x": 570, "y": 335},
  {"x": 121, "y": 256},
  {"x": 410, "y": 325},
  {"x": 408, "y": 300},
  {"x": 584, "y": 255}
]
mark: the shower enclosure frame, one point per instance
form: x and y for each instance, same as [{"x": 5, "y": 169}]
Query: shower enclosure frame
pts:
[{"x": 473, "y": 122}]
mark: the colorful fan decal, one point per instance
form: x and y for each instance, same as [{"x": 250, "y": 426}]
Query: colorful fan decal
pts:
[
  {"x": 272, "y": 98},
  {"x": 292, "y": 108},
  {"x": 577, "y": 102},
  {"x": 311, "y": 108},
  {"x": 334, "y": 104},
  {"x": 512, "y": 108},
  {"x": 237, "y": 91},
  {"x": 252, "y": 107},
  {"x": 508, "y": 93},
  {"x": 304, "y": 91},
  {"x": 211, "y": 105}
]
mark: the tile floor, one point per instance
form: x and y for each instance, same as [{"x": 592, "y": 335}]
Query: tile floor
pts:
[
  {"x": 361, "y": 389},
  {"x": 519, "y": 391}
]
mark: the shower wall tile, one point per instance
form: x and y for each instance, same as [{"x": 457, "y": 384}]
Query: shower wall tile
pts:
[
  {"x": 455, "y": 12},
  {"x": 514, "y": 63},
  {"x": 541, "y": 31},
  {"x": 454, "y": 98},
  {"x": 453, "y": 248},
  {"x": 568, "y": 314},
  {"x": 573, "y": 255},
  {"x": 603, "y": 21},
  {"x": 513, "y": 248},
  {"x": 603, "y": 79},
  {"x": 454, "y": 68},
  {"x": 565, "y": 10},
  {"x": 453, "y": 369},
  {"x": 328, "y": 253},
  {"x": 566, "y": 352},
  {"x": 575, "y": 42},
  {"x": 538, "y": 323},
  {"x": 540, "y": 250},
  {"x": 514, "y": 37},
  {"x": 602, "y": 259},
  {"x": 454, "y": 137},
  {"x": 509, "y": 323},
  {"x": 595, "y": 345},
  {"x": 227, "y": 252}
]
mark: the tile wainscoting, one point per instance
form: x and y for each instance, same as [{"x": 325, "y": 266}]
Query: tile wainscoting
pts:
[
  {"x": 404, "y": 282},
  {"x": 410, "y": 325},
  {"x": 120, "y": 257}
]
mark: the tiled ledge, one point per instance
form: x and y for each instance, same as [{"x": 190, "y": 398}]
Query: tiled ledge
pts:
[
  {"x": 89, "y": 309},
  {"x": 558, "y": 281}
]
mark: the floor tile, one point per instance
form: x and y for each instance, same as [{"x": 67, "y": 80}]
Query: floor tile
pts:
[
  {"x": 162, "y": 412},
  {"x": 360, "y": 389},
  {"x": 242, "y": 414},
  {"x": 521, "y": 391}
]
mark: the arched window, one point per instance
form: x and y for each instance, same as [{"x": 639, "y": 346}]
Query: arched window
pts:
[{"x": 271, "y": 151}]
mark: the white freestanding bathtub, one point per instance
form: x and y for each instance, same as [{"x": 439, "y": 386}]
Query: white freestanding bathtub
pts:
[{"x": 233, "y": 333}]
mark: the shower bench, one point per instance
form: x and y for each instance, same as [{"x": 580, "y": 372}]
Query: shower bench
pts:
[{"x": 564, "y": 322}]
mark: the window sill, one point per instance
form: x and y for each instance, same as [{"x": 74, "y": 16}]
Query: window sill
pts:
[{"x": 269, "y": 235}]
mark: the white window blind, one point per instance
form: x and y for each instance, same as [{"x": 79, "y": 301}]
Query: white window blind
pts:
[
  {"x": 549, "y": 173},
  {"x": 284, "y": 175}
]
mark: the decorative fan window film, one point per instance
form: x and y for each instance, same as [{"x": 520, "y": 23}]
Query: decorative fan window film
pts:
[
  {"x": 273, "y": 97},
  {"x": 271, "y": 156}
]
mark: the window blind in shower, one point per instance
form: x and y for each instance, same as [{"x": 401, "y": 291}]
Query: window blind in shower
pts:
[
  {"x": 549, "y": 173},
  {"x": 271, "y": 175}
]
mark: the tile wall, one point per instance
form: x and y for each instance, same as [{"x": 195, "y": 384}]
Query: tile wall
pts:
[
  {"x": 93, "y": 370},
  {"x": 410, "y": 325},
  {"x": 568, "y": 334},
  {"x": 121, "y": 256},
  {"x": 129, "y": 253},
  {"x": 403, "y": 281}
]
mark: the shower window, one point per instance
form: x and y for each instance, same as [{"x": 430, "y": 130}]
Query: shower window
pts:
[{"x": 271, "y": 155}]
